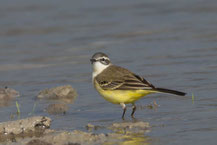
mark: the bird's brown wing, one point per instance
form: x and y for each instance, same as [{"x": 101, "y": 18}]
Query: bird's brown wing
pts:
[{"x": 117, "y": 78}]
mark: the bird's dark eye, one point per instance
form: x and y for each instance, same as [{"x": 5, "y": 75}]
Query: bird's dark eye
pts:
[{"x": 104, "y": 61}]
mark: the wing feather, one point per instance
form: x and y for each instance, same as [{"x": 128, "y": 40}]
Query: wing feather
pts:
[{"x": 121, "y": 79}]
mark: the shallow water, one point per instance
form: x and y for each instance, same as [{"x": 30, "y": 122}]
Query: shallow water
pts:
[{"x": 173, "y": 44}]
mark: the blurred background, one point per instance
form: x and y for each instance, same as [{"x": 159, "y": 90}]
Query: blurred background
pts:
[{"x": 171, "y": 43}]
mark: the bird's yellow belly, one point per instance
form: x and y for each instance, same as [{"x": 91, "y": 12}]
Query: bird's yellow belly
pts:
[{"x": 122, "y": 96}]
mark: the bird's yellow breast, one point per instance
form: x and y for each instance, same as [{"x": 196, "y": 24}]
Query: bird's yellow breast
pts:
[{"x": 122, "y": 96}]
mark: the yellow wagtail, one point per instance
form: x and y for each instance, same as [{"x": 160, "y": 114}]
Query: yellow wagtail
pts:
[{"x": 120, "y": 86}]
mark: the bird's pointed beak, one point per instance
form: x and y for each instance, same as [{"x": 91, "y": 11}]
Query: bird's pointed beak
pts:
[{"x": 92, "y": 60}]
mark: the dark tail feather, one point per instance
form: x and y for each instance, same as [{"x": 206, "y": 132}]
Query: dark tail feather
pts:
[{"x": 170, "y": 91}]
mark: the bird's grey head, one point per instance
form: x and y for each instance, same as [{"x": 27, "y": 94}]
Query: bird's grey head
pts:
[{"x": 99, "y": 61}]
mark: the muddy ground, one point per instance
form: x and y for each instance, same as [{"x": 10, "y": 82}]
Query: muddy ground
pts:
[{"x": 37, "y": 130}]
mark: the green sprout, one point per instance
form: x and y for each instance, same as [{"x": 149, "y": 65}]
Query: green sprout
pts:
[
  {"x": 33, "y": 109},
  {"x": 192, "y": 97},
  {"x": 18, "y": 108}
]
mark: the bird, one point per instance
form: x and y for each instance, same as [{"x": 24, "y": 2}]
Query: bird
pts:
[{"x": 120, "y": 86}]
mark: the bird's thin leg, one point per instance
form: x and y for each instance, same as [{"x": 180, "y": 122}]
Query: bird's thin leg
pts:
[
  {"x": 124, "y": 109},
  {"x": 133, "y": 110}
]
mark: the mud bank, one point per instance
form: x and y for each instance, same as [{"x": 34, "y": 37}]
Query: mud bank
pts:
[
  {"x": 36, "y": 130},
  {"x": 65, "y": 94},
  {"x": 7, "y": 95}
]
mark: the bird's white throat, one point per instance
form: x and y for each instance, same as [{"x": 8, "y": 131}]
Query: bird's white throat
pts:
[{"x": 98, "y": 68}]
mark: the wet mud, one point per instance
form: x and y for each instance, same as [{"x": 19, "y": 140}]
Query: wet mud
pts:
[{"x": 36, "y": 130}]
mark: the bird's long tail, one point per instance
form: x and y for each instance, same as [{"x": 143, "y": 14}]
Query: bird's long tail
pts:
[{"x": 170, "y": 91}]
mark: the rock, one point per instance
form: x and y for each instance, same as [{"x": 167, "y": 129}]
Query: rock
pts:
[
  {"x": 91, "y": 127},
  {"x": 71, "y": 143},
  {"x": 57, "y": 108},
  {"x": 24, "y": 126},
  {"x": 38, "y": 142},
  {"x": 76, "y": 137},
  {"x": 131, "y": 127},
  {"x": 6, "y": 95},
  {"x": 153, "y": 105},
  {"x": 65, "y": 93}
]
